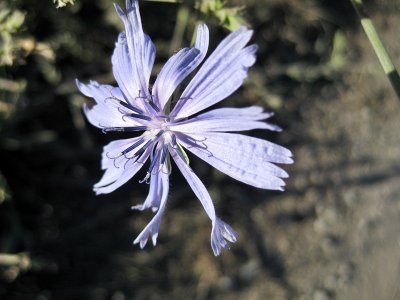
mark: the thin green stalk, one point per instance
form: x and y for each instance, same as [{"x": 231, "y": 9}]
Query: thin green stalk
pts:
[
  {"x": 379, "y": 48},
  {"x": 182, "y": 20}
]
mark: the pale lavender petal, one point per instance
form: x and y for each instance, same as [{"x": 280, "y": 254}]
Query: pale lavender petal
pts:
[
  {"x": 119, "y": 172},
  {"x": 154, "y": 197},
  {"x": 244, "y": 158},
  {"x": 221, "y": 75},
  {"x": 227, "y": 119},
  {"x": 141, "y": 50},
  {"x": 114, "y": 149},
  {"x": 220, "y": 230},
  {"x": 179, "y": 66},
  {"x": 123, "y": 72},
  {"x": 122, "y": 69},
  {"x": 173, "y": 72},
  {"x": 220, "y": 125},
  {"x": 248, "y": 113},
  {"x": 106, "y": 112},
  {"x": 149, "y": 57},
  {"x": 152, "y": 228},
  {"x": 221, "y": 233}
]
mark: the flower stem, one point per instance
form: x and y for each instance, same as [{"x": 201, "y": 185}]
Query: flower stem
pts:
[
  {"x": 182, "y": 20},
  {"x": 379, "y": 48}
]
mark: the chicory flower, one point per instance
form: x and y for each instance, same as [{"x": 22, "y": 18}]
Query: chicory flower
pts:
[{"x": 164, "y": 132}]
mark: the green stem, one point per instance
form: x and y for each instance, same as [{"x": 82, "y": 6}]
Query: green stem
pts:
[
  {"x": 182, "y": 19},
  {"x": 379, "y": 48}
]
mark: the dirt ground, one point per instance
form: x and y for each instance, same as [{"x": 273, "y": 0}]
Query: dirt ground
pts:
[{"x": 333, "y": 234}]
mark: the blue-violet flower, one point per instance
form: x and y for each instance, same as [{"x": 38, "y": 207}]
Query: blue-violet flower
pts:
[{"x": 165, "y": 132}]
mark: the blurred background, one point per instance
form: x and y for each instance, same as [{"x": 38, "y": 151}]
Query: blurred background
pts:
[{"x": 333, "y": 234}]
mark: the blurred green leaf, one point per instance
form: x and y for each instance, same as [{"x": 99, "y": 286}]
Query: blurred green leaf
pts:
[
  {"x": 10, "y": 23},
  {"x": 338, "y": 55},
  {"x": 329, "y": 69},
  {"x": 229, "y": 17},
  {"x": 4, "y": 191},
  {"x": 62, "y": 3}
]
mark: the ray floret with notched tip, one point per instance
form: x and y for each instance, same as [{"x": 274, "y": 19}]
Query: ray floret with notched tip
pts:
[{"x": 132, "y": 107}]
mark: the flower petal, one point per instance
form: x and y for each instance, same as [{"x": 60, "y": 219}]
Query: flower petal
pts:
[
  {"x": 123, "y": 69},
  {"x": 249, "y": 113},
  {"x": 221, "y": 75},
  {"x": 114, "y": 149},
  {"x": 227, "y": 119},
  {"x": 244, "y": 158},
  {"x": 179, "y": 66},
  {"x": 155, "y": 193},
  {"x": 120, "y": 169},
  {"x": 107, "y": 112},
  {"x": 152, "y": 228},
  {"x": 141, "y": 49},
  {"x": 221, "y": 232}
]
